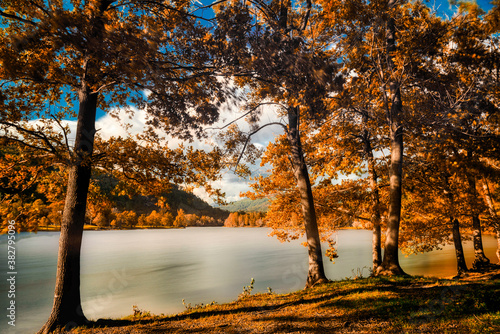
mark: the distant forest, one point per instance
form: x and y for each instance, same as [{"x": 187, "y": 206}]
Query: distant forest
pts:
[
  {"x": 248, "y": 205},
  {"x": 111, "y": 206}
]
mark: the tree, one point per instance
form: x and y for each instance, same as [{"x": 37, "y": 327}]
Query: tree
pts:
[
  {"x": 231, "y": 220},
  {"x": 367, "y": 35},
  {"x": 278, "y": 61},
  {"x": 126, "y": 219},
  {"x": 354, "y": 149},
  {"x": 493, "y": 212},
  {"x": 70, "y": 52},
  {"x": 180, "y": 219},
  {"x": 453, "y": 103},
  {"x": 394, "y": 107},
  {"x": 476, "y": 54}
]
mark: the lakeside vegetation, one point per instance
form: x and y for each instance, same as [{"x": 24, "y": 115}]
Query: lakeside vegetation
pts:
[{"x": 362, "y": 305}]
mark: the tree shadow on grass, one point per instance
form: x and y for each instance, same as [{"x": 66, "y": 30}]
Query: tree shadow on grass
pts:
[
  {"x": 398, "y": 306},
  {"x": 345, "y": 307}
]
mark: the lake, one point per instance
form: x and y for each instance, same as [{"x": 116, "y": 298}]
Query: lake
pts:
[{"x": 157, "y": 269}]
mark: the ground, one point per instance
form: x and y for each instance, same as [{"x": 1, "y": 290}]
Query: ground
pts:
[{"x": 366, "y": 305}]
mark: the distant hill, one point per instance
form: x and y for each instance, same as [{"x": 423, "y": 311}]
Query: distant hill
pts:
[
  {"x": 176, "y": 199},
  {"x": 248, "y": 205},
  {"x": 192, "y": 204}
]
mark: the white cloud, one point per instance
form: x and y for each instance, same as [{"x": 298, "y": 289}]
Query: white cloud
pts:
[
  {"x": 231, "y": 184},
  {"x": 123, "y": 125},
  {"x": 134, "y": 122}
]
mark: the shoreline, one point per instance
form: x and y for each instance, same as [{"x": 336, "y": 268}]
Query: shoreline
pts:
[{"x": 366, "y": 305}]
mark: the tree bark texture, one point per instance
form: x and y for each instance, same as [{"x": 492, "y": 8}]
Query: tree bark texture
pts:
[
  {"x": 66, "y": 310},
  {"x": 480, "y": 259},
  {"x": 459, "y": 251},
  {"x": 316, "y": 273},
  {"x": 390, "y": 263}
]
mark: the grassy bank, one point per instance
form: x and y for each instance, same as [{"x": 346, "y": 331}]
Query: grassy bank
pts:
[{"x": 367, "y": 305}]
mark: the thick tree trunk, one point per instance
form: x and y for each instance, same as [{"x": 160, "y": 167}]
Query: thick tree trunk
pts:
[
  {"x": 316, "y": 272},
  {"x": 376, "y": 244},
  {"x": 66, "y": 310},
  {"x": 375, "y": 216},
  {"x": 480, "y": 260},
  {"x": 493, "y": 214},
  {"x": 390, "y": 264},
  {"x": 459, "y": 251}
]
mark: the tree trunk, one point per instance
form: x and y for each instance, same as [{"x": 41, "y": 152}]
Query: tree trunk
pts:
[
  {"x": 316, "y": 272},
  {"x": 66, "y": 310},
  {"x": 498, "y": 245},
  {"x": 390, "y": 264},
  {"x": 376, "y": 216},
  {"x": 459, "y": 251},
  {"x": 480, "y": 260},
  {"x": 493, "y": 214}
]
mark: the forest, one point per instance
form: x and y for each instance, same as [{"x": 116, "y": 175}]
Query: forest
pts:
[{"x": 388, "y": 113}]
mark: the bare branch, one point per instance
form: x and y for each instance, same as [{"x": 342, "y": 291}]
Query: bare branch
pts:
[
  {"x": 215, "y": 3},
  {"x": 245, "y": 114},
  {"x": 305, "y": 18},
  {"x": 28, "y": 145},
  {"x": 37, "y": 134},
  {"x": 254, "y": 132},
  {"x": 105, "y": 86},
  {"x": 17, "y": 18},
  {"x": 161, "y": 4},
  {"x": 66, "y": 141}
]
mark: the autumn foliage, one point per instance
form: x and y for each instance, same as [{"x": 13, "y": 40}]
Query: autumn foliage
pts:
[{"x": 389, "y": 112}]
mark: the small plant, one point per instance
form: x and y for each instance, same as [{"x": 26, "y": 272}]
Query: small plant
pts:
[
  {"x": 138, "y": 313},
  {"x": 359, "y": 272},
  {"x": 187, "y": 306},
  {"x": 197, "y": 306},
  {"x": 247, "y": 290}
]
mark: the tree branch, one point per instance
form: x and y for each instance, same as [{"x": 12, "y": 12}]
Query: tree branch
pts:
[
  {"x": 66, "y": 141},
  {"x": 245, "y": 114},
  {"x": 17, "y": 18},
  {"x": 305, "y": 18},
  {"x": 254, "y": 132}
]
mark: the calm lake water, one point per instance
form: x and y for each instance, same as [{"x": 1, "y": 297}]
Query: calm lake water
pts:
[{"x": 156, "y": 269}]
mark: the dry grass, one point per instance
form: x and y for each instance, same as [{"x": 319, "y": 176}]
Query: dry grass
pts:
[{"x": 369, "y": 305}]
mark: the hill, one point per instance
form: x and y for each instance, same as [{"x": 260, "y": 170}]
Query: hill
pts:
[
  {"x": 248, "y": 205},
  {"x": 176, "y": 199}
]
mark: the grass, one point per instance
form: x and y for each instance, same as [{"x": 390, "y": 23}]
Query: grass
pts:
[{"x": 366, "y": 305}]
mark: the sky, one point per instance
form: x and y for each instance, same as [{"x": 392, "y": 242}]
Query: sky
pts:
[
  {"x": 108, "y": 126},
  {"x": 444, "y": 8},
  {"x": 231, "y": 184}
]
